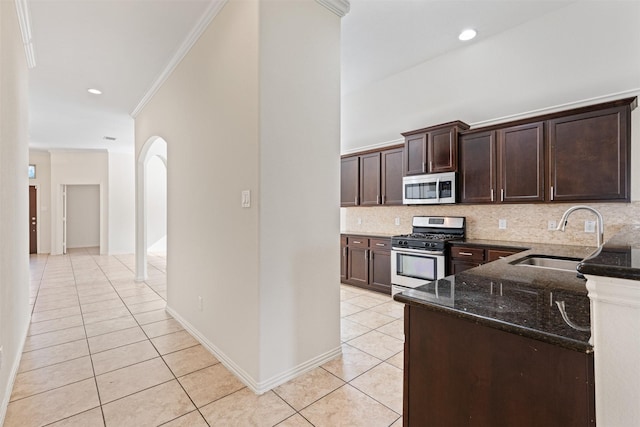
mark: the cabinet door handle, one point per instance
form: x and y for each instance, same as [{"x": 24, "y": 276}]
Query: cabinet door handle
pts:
[
  {"x": 424, "y": 165},
  {"x": 378, "y": 199},
  {"x": 430, "y": 166},
  {"x": 383, "y": 198},
  {"x": 356, "y": 242},
  {"x": 552, "y": 193},
  {"x": 502, "y": 194},
  {"x": 465, "y": 253},
  {"x": 492, "y": 194},
  {"x": 380, "y": 244}
]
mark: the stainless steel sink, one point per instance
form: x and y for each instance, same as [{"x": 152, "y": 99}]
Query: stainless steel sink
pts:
[{"x": 550, "y": 262}]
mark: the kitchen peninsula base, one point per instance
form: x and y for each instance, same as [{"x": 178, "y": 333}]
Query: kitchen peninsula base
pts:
[{"x": 461, "y": 373}]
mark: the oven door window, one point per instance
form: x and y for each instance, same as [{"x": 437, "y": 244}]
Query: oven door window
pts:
[{"x": 417, "y": 266}]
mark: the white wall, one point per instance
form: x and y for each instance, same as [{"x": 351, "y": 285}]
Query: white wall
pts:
[
  {"x": 78, "y": 168},
  {"x": 156, "y": 179},
  {"x": 299, "y": 182},
  {"x": 255, "y": 106},
  {"x": 42, "y": 161},
  {"x": 121, "y": 221},
  {"x": 207, "y": 112},
  {"x": 14, "y": 203},
  {"x": 83, "y": 216},
  {"x": 588, "y": 49}
]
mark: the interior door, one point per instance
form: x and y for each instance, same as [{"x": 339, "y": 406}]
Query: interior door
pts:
[
  {"x": 33, "y": 220},
  {"x": 64, "y": 219}
]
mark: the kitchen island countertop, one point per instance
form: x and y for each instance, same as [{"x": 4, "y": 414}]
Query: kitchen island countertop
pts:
[{"x": 519, "y": 299}]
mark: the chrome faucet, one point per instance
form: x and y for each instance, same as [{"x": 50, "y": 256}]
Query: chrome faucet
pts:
[{"x": 600, "y": 221}]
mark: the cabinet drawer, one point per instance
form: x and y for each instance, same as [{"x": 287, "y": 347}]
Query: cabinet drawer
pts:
[
  {"x": 380, "y": 244},
  {"x": 461, "y": 252},
  {"x": 495, "y": 254},
  {"x": 362, "y": 242}
]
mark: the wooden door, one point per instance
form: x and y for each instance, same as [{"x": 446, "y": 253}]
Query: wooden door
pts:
[
  {"x": 349, "y": 181},
  {"x": 391, "y": 176},
  {"x": 477, "y": 168},
  {"x": 588, "y": 156},
  {"x": 33, "y": 220},
  {"x": 370, "y": 179},
  {"x": 380, "y": 269},
  {"x": 415, "y": 154},
  {"x": 343, "y": 258},
  {"x": 358, "y": 267},
  {"x": 521, "y": 163},
  {"x": 443, "y": 151}
]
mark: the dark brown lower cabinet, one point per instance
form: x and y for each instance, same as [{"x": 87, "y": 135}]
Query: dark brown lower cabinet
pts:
[
  {"x": 460, "y": 373},
  {"x": 367, "y": 262}
]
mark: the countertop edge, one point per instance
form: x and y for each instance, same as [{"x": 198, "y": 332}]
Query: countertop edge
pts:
[{"x": 535, "y": 334}]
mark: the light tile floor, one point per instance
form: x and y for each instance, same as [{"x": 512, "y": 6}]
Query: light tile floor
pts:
[{"x": 101, "y": 350}]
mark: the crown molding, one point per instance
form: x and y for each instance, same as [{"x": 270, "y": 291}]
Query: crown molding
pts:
[
  {"x": 211, "y": 12},
  {"x": 339, "y": 7},
  {"x": 22, "y": 9}
]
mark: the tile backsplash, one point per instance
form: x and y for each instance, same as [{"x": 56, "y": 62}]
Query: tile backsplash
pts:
[{"x": 524, "y": 222}]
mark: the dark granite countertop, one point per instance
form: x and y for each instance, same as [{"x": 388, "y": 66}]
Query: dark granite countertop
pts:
[
  {"x": 516, "y": 298},
  {"x": 619, "y": 257}
]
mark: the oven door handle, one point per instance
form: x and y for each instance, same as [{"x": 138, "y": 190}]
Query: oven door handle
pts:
[
  {"x": 416, "y": 251},
  {"x": 438, "y": 190}
]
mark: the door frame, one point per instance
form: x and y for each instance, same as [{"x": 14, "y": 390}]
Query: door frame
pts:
[
  {"x": 155, "y": 146},
  {"x": 37, "y": 187}
]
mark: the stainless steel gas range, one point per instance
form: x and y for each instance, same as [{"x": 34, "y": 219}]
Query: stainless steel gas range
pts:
[{"x": 420, "y": 257}]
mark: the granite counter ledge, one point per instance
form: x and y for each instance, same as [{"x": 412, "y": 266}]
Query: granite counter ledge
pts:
[
  {"x": 515, "y": 299},
  {"x": 618, "y": 257}
]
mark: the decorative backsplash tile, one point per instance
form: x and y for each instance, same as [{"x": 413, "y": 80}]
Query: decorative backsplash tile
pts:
[{"x": 525, "y": 222}]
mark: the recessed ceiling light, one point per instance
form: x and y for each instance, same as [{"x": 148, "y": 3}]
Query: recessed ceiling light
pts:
[
  {"x": 94, "y": 91},
  {"x": 467, "y": 34}
]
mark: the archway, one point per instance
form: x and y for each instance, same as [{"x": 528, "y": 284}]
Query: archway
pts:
[{"x": 155, "y": 147}]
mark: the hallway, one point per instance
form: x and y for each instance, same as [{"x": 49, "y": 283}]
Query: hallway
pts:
[{"x": 101, "y": 350}]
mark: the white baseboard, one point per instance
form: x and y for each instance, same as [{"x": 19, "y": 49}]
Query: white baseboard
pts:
[
  {"x": 255, "y": 386},
  {"x": 12, "y": 378}
]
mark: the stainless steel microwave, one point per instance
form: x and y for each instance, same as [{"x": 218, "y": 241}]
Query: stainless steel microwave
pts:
[{"x": 430, "y": 189}]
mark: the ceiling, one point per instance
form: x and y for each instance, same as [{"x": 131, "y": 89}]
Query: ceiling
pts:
[{"x": 121, "y": 47}]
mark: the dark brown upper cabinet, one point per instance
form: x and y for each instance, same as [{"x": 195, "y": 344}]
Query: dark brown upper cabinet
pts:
[
  {"x": 589, "y": 156},
  {"x": 477, "y": 178},
  {"x": 433, "y": 149},
  {"x": 349, "y": 181},
  {"x": 576, "y": 155},
  {"x": 372, "y": 178},
  {"x": 520, "y": 162},
  {"x": 503, "y": 166}
]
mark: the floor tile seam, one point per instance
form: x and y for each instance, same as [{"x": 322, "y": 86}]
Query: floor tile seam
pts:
[
  {"x": 214, "y": 400},
  {"x": 54, "y": 364},
  {"x": 56, "y": 318},
  {"x": 372, "y": 328},
  {"x": 173, "y": 378},
  {"x": 118, "y": 346},
  {"x": 132, "y": 364},
  {"x": 364, "y": 351},
  {"x": 51, "y": 389},
  {"x": 106, "y": 320},
  {"x": 53, "y": 330},
  {"x": 360, "y": 374},
  {"x": 93, "y": 370},
  {"x": 389, "y": 335},
  {"x": 184, "y": 415},
  {"x": 371, "y": 397},
  {"x": 192, "y": 372},
  {"x": 70, "y": 416},
  {"x": 56, "y": 344},
  {"x": 319, "y": 398}
]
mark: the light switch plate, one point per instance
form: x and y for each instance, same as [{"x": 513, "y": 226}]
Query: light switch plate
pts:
[
  {"x": 246, "y": 198},
  {"x": 552, "y": 225},
  {"x": 502, "y": 224},
  {"x": 397, "y": 221}
]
